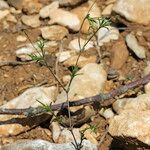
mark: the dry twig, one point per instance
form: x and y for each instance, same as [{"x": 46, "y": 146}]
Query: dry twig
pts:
[{"x": 98, "y": 98}]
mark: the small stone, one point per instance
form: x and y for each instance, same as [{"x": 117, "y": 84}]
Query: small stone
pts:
[
  {"x": 56, "y": 130},
  {"x": 66, "y": 136},
  {"x": 70, "y": 3},
  {"x": 147, "y": 88},
  {"x": 21, "y": 38},
  {"x": 107, "y": 10},
  {"x": 32, "y": 20},
  {"x": 81, "y": 62},
  {"x": 134, "y": 46},
  {"x": 89, "y": 134},
  {"x": 119, "y": 54},
  {"x": 54, "y": 32},
  {"x": 14, "y": 11},
  {"x": 3, "y": 5},
  {"x": 146, "y": 69},
  {"x": 74, "y": 45},
  {"x": 24, "y": 52},
  {"x": 65, "y": 18},
  {"x": 46, "y": 10},
  {"x": 62, "y": 56},
  {"x": 66, "y": 79},
  {"x": 28, "y": 6},
  {"x": 107, "y": 114},
  {"x": 133, "y": 10},
  {"x": 4, "y": 13},
  {"x": 105, "y": 35},
  {"x": 11, "y": 18},
  {"x": 82, "y": 11}
]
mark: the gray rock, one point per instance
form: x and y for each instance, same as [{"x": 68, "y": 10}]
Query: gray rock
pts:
[{"x": 45, "y": 145}]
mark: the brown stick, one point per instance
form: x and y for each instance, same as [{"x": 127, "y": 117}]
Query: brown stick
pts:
[{"x": 98, "y": 98}]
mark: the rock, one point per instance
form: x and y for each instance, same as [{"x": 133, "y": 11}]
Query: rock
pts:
[
  {"x": 28, "y": 6},
  {"x": 65, "y": 18},
  {"x": 66, "y": 136},
  {"x": 88, "y": 83},
  {"x": 133, "y": 10},
  {"x": 105, "y": 35},
  {"x": 21, "y": 38},
  {"x": 110, "y": 2},
  {"x": 70, "y": 3},
  {"x": 82, "y": 11},
  {"x": 14, "y": 11},
  {"x": 131, "y": 124},
  {"x": 62, "y": 56},
  {"x": 11, "y": 18},
  {"x": 82, "y": 61},
  {"x": 107, "y": 114},
  {"x": 119, "y": 54},
  {"x": 56, "y": 130},
  {"x": 89, "y": 134},
  {"x": 135, "y": 47},
  {"x": 27, "y": 99},
  {"x": 146, "y": 69},
  {"x": 107, "y": 10},
  {"x": 147, "y": 88},
  {"x": 45, "y": 145},
  {"x": 74, "y": 45},
  {"x": 4, "y": 13},
  {"x": 3, "y": 5},
  {"x": 32, "y": 20},
  {"x": 133, "y": 119},
  {"x": 66, "y": 79},
  {"x": 46, "y": 10},
  {"x": 24, "y": 52},
  {"x": 140, "y": 103},
  {"x": 54, "y": 32}
]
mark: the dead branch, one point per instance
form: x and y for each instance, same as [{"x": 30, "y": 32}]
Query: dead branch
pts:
[
  {"x": 14, "y": 63},
  {"x": 98, "y": 98}
]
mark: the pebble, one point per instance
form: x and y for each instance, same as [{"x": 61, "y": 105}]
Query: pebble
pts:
[
  {"x": 31, "y": 20},
  {"x": 135, "y": 47},
  {"x": 74, "y": 45},
  {"x": 21, "y": 38},
  {"x": 65, "y": 18},
  {"x": 70, "y": 3},
  {"x": 82, "y": 11},
  {"x": 106, "y": 35},
  {"x": 119, "y": 54},
  {"x": 3, "y": 5},
  {"x": 62, "y": 56},
  {"x": 107, "y": 114},
  {"x": 46, "y": 10},
  {"x": 107, "y": 10},
  {"x": 4, "y": 13},
  {"x": 54, "y": 32}
]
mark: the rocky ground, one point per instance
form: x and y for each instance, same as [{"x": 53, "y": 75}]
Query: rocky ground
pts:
[{"x": 117, "y": 56}]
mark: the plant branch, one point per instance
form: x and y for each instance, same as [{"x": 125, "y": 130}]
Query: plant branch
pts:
[{"x": 98, "y": 98}]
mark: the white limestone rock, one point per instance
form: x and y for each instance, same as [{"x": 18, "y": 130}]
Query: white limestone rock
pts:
[
  {"x": 106, "y": 35},
  {"x": 134, "y": 46},
  {"x": 74, "y": 44},
  {"x": 134, "y": 10}
]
